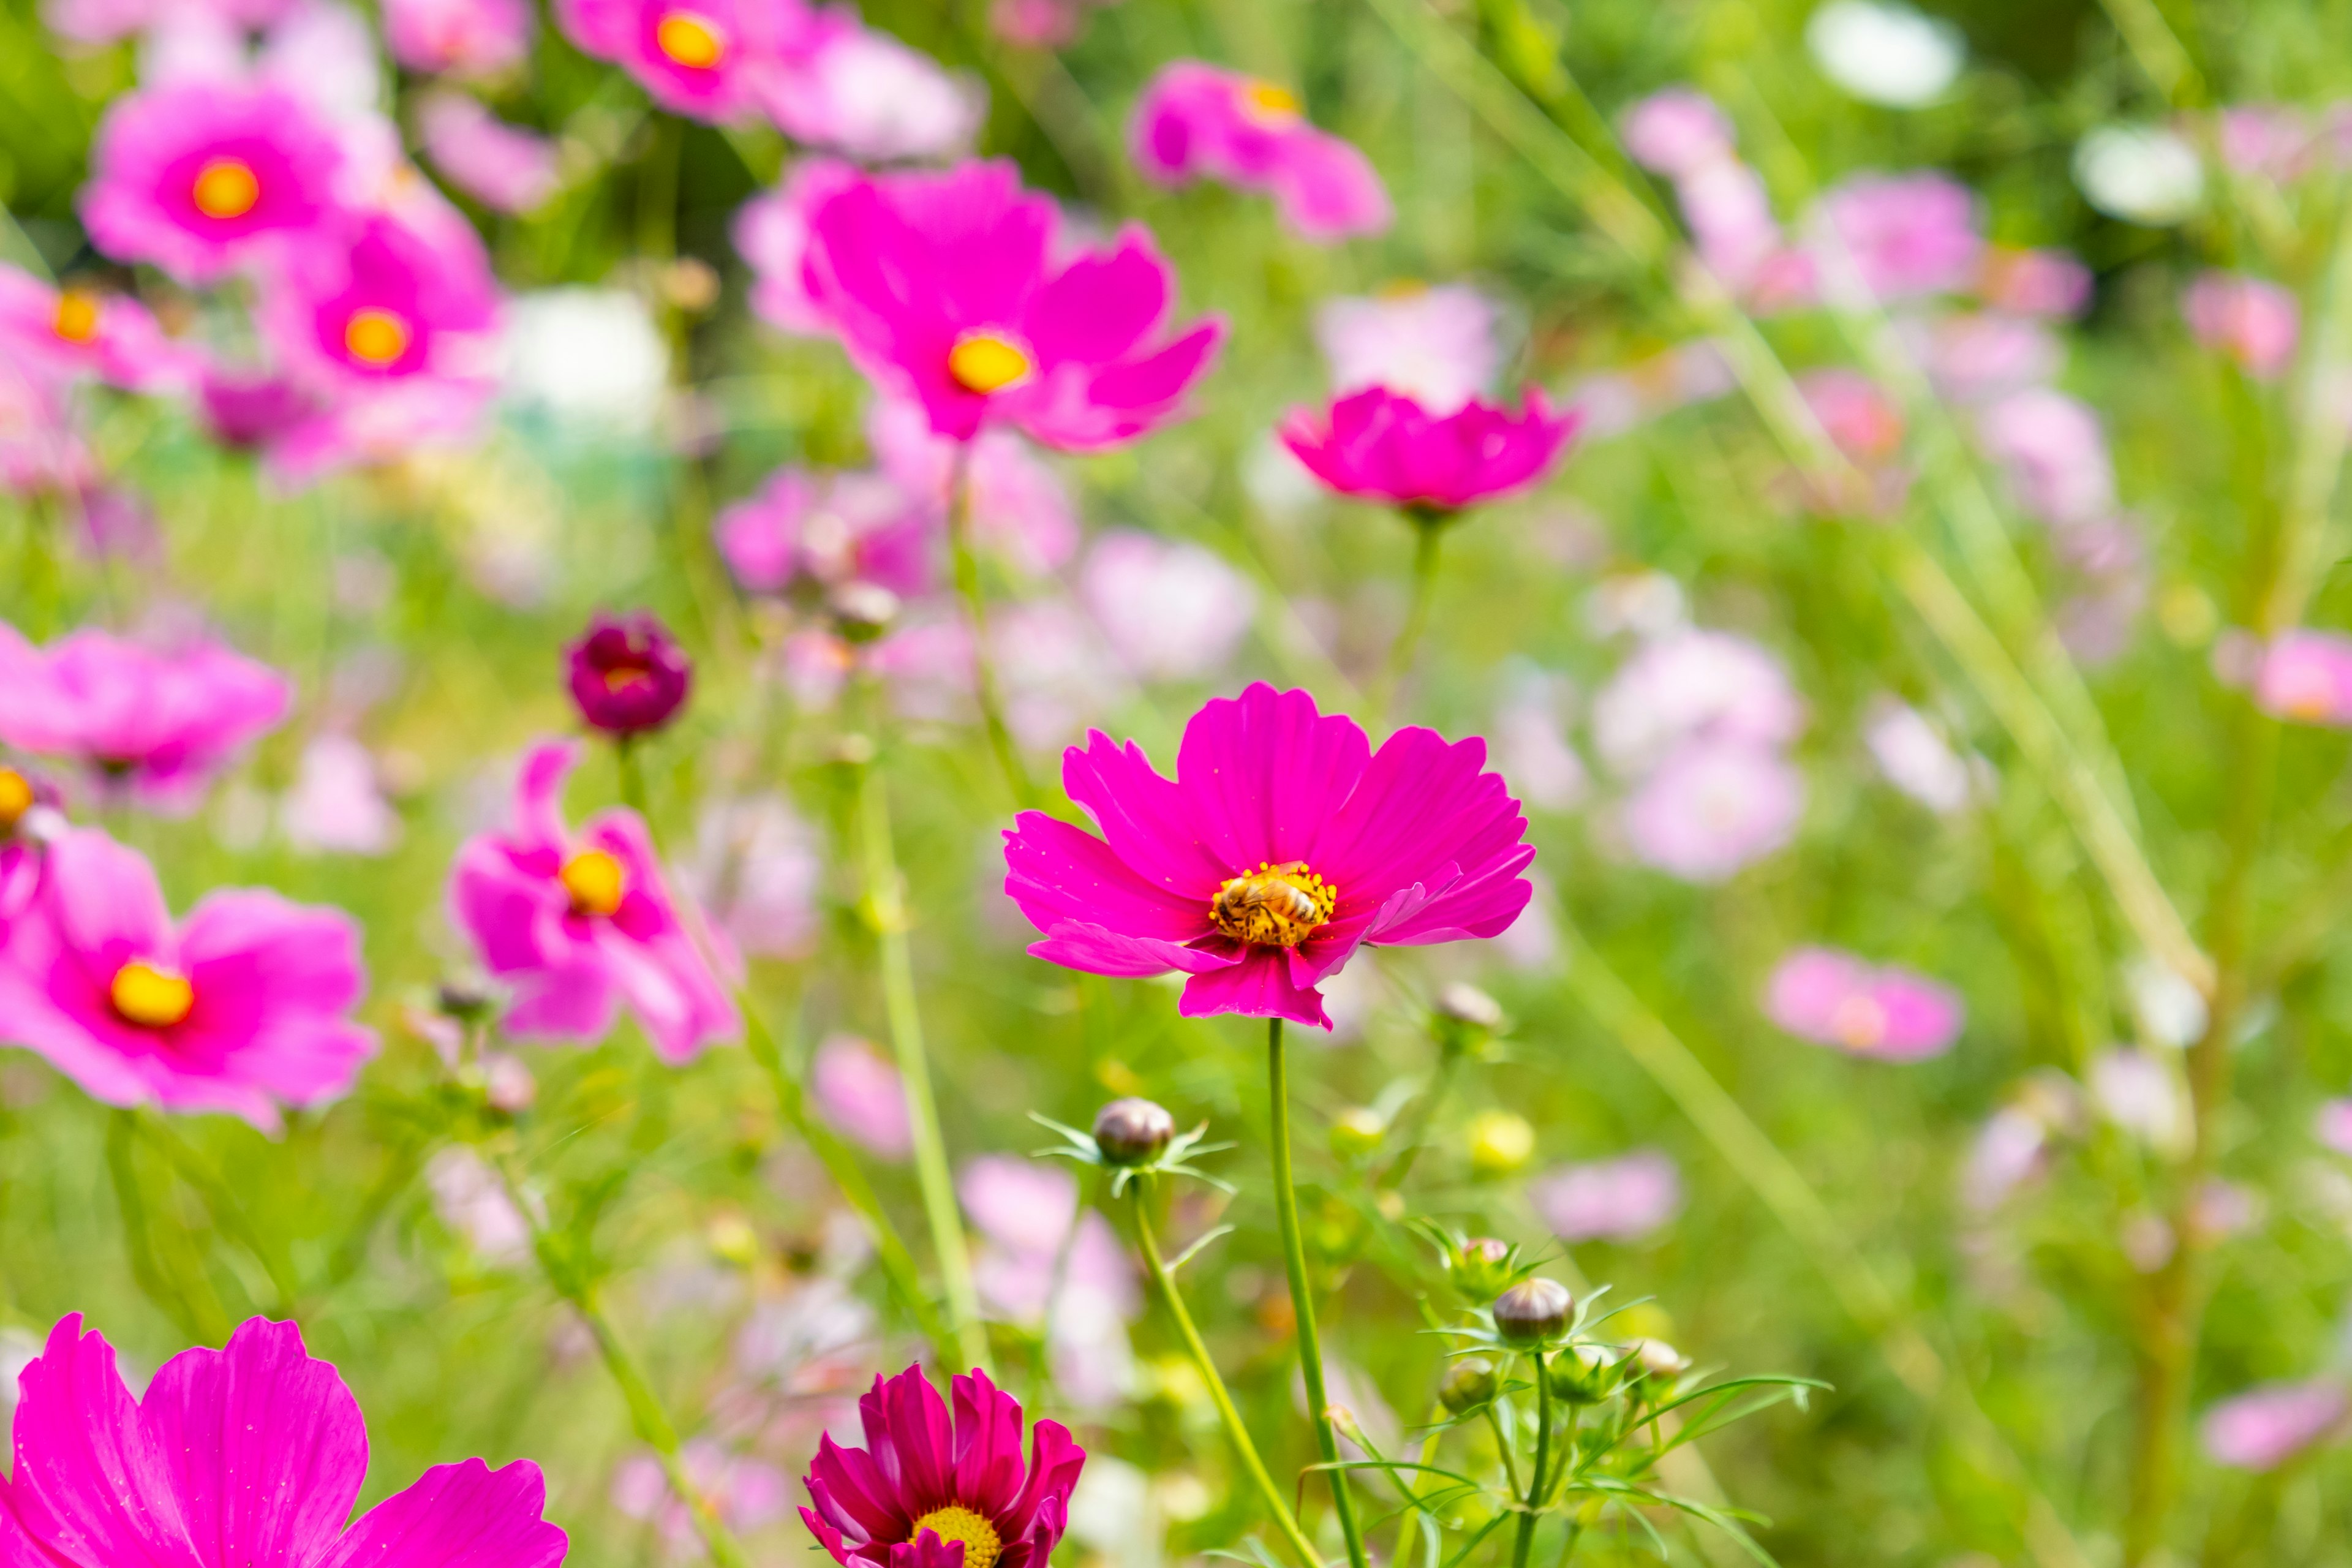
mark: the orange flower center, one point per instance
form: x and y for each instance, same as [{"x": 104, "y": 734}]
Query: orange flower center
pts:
[
  {"x": 983, "y": 363},
  {"x": 1269, "y": 103},
  {"x": 696, "y": 42},
  {"x": 622, "y": 675},
  {"x": 225, "y": 188},
  {"x": 1273, "y": 906},
  {"x": 981, "y": 1546},
  {"x": 375, "y": 337},
  {"x": 595, "y": 882},
  {"x": 15, "y": 798},
  {"x": 1859, "y": 1023},
  {"x": 76, "y": 317},
  {"x": 150, "y": 996}
]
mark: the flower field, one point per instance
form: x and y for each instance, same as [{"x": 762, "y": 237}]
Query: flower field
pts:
[{"x": 1432, "y": 783}]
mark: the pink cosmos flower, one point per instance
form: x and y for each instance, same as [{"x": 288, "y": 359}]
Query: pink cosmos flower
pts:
[
  {"x": 1435, "y": 346},
  {"x": 1713, "y": 806},
  {"x": 1984, "y": 355},
  {"x": 1904, "y": 235},
  {"x": 197, "y": 176},
  {"x": 2269, "y": 141},
  {"x": 337, "y": 802},
  {"x": 703, "y": 59},
  {"x": 920, "y": 1487},
  {"x": 772, "y": 233},
  {"x": 1020, "y": 509},
  {"x": 251, "y": 1454},
  {"x": 1732, "y": 225},
  {"x": 2032, "y": 282},
  {"x": 1694, "y": 684},
  {"x": 471, "y": 1201},
  {"x": 1857, "y": 414},
  {"x": 2307, "y": 677},
  {"x": 758, "y": 868},
  {"x": 1084, "y": 1296},
  {"x": 160, "y": 723},
  {"x": 860, "y": 91},
  {"x": 41, "y": 450},
  {"x": 381, "y": 301},
  {"x": 952, "y": 289},
  {"x": 242, "y": 1005},
  {"x": 2011, "y": 1150},
  {"x": 1282, "y": 846},
  {"x": 2252, "y": 322},
  {"x": 578, "y": 922},
  {"x": 2055, "y": 452},
  {"x": 1531, "y": 745},
  {"x": 506, "y": 169},
  {"x": 2332, "y": 1124},
  {"x": 104, "y": 21},
  {"x": 66, "y": 333},
  {"x": 1834, "y": 998},
  {"x": 860, "y": 1092},
  {"x": 457, "y": 38},
  {"x": 1171, "y": 611},
  {"x": 1040, "y": 24},
  {"x": 1676, "y": 132},
  {"x": 1379, "y": 445},
  {"x": 1914, "y": 756},
  {"x": 1195, "y": 120},
  {"x": 808, "y": 531},
  {"x": 2263, "y": 1427},
  {"x": 1622, "y": 1200}
]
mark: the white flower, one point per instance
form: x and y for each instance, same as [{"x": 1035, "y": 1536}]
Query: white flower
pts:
[
  {"x": 1915, "y": 758},
  {"x": 588, "y": 356},
  {"x": 1886, "y": 53},
  {"x": 2141, "y": 174}
]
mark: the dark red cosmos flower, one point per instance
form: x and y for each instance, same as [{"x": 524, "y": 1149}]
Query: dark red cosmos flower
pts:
[
  {"x": 627, "y": 674},
  {"x": 921, "y": 1494}
]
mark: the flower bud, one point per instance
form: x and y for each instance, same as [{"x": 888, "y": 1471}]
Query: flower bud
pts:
[
  {"x": 862, "y": 611},
  {"x": 1659, "y": 1358},
  {"x": 1501, "y": 1143},
  {"x": 1356, "y": 1131},
  {"x": 1132, "y": 1131},
  {"x": 1468, "y": 1384},
  {"x": 627, "y": 674},
  {"x": 1584, "y": 1373},
  {"x": 465, "y": 999},
  {"x": 1482, "y": 1268},
  {"x": 1463, "y": 1017},
  {"x": 1533, "y": 1312}
]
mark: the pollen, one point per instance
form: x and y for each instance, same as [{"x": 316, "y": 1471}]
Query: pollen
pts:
[
  {"x": 1273, "y": 906},
  {"x": 984, "y": 362},
  {"x": 225, "y": 188},
  {"x": 15, "y": 798},
  {"x": 1269, "y": 103},
  {"x": 76, "y": 317},
  {"x": 150, "y": 996},
  {"x": 595, "y": 882},
  {"x": 1859, "y": 1023},
  {"x": 696, "y": 42},
  {"x": 375, "y": 337},
  {"x": 982, "y": 1544}
]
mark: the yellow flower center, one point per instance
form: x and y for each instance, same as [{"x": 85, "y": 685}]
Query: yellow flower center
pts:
[
  {"x": 595, "y": 882},
  {"x": 984, "y": 362},
  {"x": 698, "y": 43},
  {"x": 150, "y": 996},
  {"x": 375, "y": 337},
  {"x": 225, "y": 188},
  {"x": 76, "y": 317},
  {"x": 1273, "y": 906},
  {"x": 622, "y": 675},
  {"x": 15, "y": 798},
  {"x": 1859, "y": 1023},
  {"x": 1269, "y": 103},
  {"x": 956, "y": 1522}
]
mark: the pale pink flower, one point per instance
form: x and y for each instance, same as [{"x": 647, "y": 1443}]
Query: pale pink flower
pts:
[
  {"x": 1041, "y": 24},
  {"x": 1170, "y": 610},
  {"x": 2224, "y": 1208},
  {"x": 2307, "y": 677},
  {"x": 861, "y": 1095},
  {"x": 2141, "y": 1094},
  {"x": 757, "y": 870},
  {"x": 2332, "y": 1125},
  {"x": 806, "y": 534},
  {"x": 41, "y": 451},
  {"x": 772, "y": 233},
  {"x": 743, "y": 1492},
  {"x": 1900, "y": 237},
  {"x": 103, "y": 21},
  {"x": 1531, "y": 747},
  {"x": 1713, "y": 806},
  {"x": 1914, "y": 756},
  {"x": 1026, "y": 1211},
  {"x": 1436, "y": 345},
  {"x": 459, "y": 37},
  {"x": 860, "y": 91},
  {"x": 2054, "y": 451},
  {"x": 2011, "y": 1150},
  {"x": 1835, "y": 998},
  {"x": 1058, "y": 676},
  {"x": 2032, "y": 282},
  {"x": 2263, "y": 1427},
  {"x": 1026, "y": 1206},
  {"x": 502, "y": 166},
  {"x": 1984, "y": 355},
  {"x": 1620, "y": 1200},
  {"x": 1694, "y": 684},
  {"x": 1858, "y": 414},
  {"x": 337, "y": 802},
  {"x": 473, "y": 1203},
  {"x": 1197, "y": 122},
  {"x": 2251, "y": 322},
  {"x": 1676, "y": 132},
  {"x": 1731, "y": 221},
  {"x": 2269, "y": 141}
]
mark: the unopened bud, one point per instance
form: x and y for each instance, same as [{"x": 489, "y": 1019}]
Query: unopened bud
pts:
[
  {"x": 1584, "y": 1373},
  {"x": 463, "y": 998},
  {"x": 1132, "y": 1131},
  {"x": 1501, "y": 1143},
  {"x": 1468, "y": 1384},
  {"x": 1482, "y": 1268},
  {"x": 1659, "y": 1358},
  {"x": 862, "y": 611},
  {"x": 1356, "y": 1131},
  {"x": 1464, "y": 1018},
  {"x": 1533, "y": 1312}
]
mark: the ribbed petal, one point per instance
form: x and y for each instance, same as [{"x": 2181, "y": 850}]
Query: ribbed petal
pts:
[
  {"x": 1482, "y": 906},
  {"x": 92, "y": 1483},
  {"x": 1076, "y": 945},
  {"x": 1059, "y": 872},
  {"x": 1150, "y": 822},
  {"x": 1267, "y": 772},
  {"x": 457, "y": 1516},
  {"x": 851, "y": 1490},
  {"x": 826, "y": 1536},
  {"x": 1422, "y": 804},
  {"x": 924, "y": 1441},
  {"x": 987, "y": 1445},
  {"x": 1257, "y": 987},
  {"x": 1054, "y": 1461}
]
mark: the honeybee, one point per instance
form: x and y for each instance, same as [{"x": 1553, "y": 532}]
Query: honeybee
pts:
[{"x": 1265, "y": 898}]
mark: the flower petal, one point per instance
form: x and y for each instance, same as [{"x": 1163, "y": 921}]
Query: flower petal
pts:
[
  {"x": 1259, "y": 987},
  {"x": 457, "y": 1516},
  {"x": 1150, "y": 822},
  {"x": 1075, "y": 944},
  {"x": 1268, "y": 772},
  {"x": 92, "y": 1483},
  {"x": 1057, "y": 872}
]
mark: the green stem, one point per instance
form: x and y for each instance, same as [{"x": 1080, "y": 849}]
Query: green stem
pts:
[
  {"x": 975, "y": 604},
  {"x": 889, "y": 1248},
  {"x": 1503, "y": 1445},
  {"x": 1534, "y": 1498},
  {"x": 1409, "y": 1526},
  {"x": 1427, "y": 533},
  {"x": 1302, "y": 1295},
  {"x": 633, "y": 778},
  {"x": 1246, "y": 1450},
  {"x": 886, "y": 909},
  {"x": 1424, "y": 1111},
  {"x": 199, "y": 1317}
]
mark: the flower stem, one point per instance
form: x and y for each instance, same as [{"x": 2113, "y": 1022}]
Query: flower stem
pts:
[
  {"x": 1428, "y": 530},
  {"x": 1165, "y": 1283},
  {"x": 1302, "y": 1295},
  {"x": 890, "y": 1247},
  {"x": 886, "y": 909},
  {"x": 975, "y": 604},
  {"x": 633, "y": 778},
  {"x": 1425, "y": 1112},
  {"x": 220, "y": 1201},
  {"x": 1527, "y": 1534}
]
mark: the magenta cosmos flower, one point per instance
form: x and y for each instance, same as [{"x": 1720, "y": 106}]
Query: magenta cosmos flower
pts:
[
  {"x": 2263, "y": 1427},
  {"x": 377, "y": 300},
  {"x": 579, "y": 922},
  {"x": 251, "y": 1453},
  {"x": 627, "y": 674},
  {"x": 924, "y": 1493},
  {"x": 242, "y": 1005},
  {"x": 705, "y": 59},
  {"x": 68, "y": 333},
  {"x": 1835, "y": 998},
  {"x": 193, "y": 175},
  {"x": 162, "y": 723},
  {"x": 1379, "y": 445},
  {"x": 463, "y": 38},
  {"x": 1283, "y": 844},
  {"x": 955, "y": 288},
  {"x": 1195, "y": 120}
]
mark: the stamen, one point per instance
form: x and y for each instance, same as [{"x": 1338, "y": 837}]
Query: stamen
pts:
[
  {"x": 150, "y": 996},
  {"x": 622, "y": 675},
  {"x": 76, "y": 317},
  {"x": 1273, "y": 906},
  {"x": 982, "y": 1544},
  {"x": 595, "y": 880},
  {"x": 1269, "y": 103},
  {"x": 375, "y": 337},
  {"x": 984, "y": 362},
  {"x": 696, "y": 42},
  {"x": 225, "y": 188},
  {"x": 15, "y": 798},
  {"x": 1859, "y": 1023}
]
